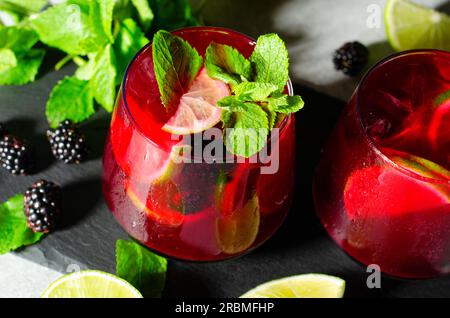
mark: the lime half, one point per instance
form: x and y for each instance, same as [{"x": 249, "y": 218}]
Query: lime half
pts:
[
  {"x": 90, "y": 284},
  {"x": 411, "y": 26},
  {"x": 300, "y": 286}
]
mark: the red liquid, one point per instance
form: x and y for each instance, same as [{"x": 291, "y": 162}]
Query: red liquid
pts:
[
  {"x": 373, "y": 192},
  {"x": 190, "y": 211}
]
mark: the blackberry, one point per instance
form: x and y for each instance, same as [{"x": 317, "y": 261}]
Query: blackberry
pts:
[
  {"x": 42, "y": 206},
  {"x": 351, "y": 58},
  {"x": 67, "y": 143},
  {"x": 15, "y": 156}
]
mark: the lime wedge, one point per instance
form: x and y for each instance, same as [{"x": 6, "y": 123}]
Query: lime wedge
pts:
[
  {"x": 300, "y": 286},
  {"x": 197, "y": 110},
  {"x": 90, "y": 284},
  {"x": 411, "y": 26}
]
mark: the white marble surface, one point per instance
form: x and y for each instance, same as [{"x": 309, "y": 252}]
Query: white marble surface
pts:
[{"x": 312, "y": 30}]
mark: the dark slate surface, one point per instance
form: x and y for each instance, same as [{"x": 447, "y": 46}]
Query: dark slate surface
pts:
[{"x": 88, "y": 236}]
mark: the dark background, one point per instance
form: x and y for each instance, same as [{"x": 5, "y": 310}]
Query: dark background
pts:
[{"x": 89, "y": 232}]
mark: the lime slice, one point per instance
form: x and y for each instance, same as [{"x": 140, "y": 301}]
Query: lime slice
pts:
[
  {"x": 300, "y": 286},
  {"x": 161, "y": 201},
  {"x": 237, "y": 232},
  {"x": 411, "y": 26},
  {"x": 90, "y": 284},
  {"x": 197, "y": 110}
]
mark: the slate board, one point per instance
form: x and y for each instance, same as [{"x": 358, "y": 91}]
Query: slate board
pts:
[{"x": 87, "y": 238}]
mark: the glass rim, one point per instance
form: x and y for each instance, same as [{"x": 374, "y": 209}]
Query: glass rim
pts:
[
  {"x": 363, "y": 126},
  {"x": 123, "y": 94}
]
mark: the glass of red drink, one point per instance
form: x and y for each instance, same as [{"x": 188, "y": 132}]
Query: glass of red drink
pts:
[
  {"x": 191, "y": 211},
  {"x": 382, "y": 188}
]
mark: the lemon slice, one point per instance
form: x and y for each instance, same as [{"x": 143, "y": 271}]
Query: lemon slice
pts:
[
  {"x": 300, "y": 286},
  {"x": 90, "y": 284},
  {"x": 411, "y": 26}
]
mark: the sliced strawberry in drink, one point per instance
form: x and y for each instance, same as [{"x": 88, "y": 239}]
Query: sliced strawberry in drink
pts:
[
  {"x": 382, "y": 191},
  {"x": 197, "y": 110},
  {"x": 161, "y": 201}
]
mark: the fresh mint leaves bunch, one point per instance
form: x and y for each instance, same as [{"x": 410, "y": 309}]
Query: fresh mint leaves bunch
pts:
[
  {"x": 258, "y": 101},
  {"x": 101, "y": 36},
  {"x": 258, "y": 86}
]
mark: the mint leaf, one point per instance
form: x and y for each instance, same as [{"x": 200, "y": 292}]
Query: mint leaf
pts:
[
  {"x": 129, "y": 41},
  {"x": 7, "y": 59},
  {"x": 70, "y": 99},
  {"x": 145, "y": 13},
  {"x": 270, "y": 59},
  {"x": 22, "y": 7},
  {"x": 14, "y": 232},
  {"x": 246, "y": 129},
  {"x": 176, "y": 65},
  {"x": 86, "y": 71},
  {"x": 77, "y": 27},
  {"x": 62, "y": 26},
  {"x": 285, "y": 104},
  {"x": 103, "y": 81},
  {"x": 253, "y": 91},
  {"x": 141, "y": 268},
  {"x": 225, "y": 63},
  {"x": 171, "y": 14},
  {"x": 101, "y": 17},
  {"x": 18, "y": 39},
  {"x": 26, "y": 69}
]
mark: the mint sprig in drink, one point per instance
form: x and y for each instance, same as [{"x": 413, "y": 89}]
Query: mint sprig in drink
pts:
[
  {"x": 382, "y": 188},
  {"x": 199, "y": 160}
]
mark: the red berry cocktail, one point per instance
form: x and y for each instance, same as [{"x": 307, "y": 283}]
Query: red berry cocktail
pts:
[
  {"x": 382, "y": 188},
  {"x": 197, "y": 210}
]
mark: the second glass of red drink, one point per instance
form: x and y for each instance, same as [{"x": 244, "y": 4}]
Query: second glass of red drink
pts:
[{"x": 382, "y": 188}]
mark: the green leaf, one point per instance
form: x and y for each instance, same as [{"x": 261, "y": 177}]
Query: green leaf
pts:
[
  {"x": 246, "y": 130},
  {"x": 86, "y": 71},
  {"x": 22, "y": 6},
  {"x": 101, "y": 17},
  {"x": 285, "y": 104},
  {"x": 171, "y": 14},
  {"x": 14, "y": 232},
  {"x": 63, "y": 26},
  {"x": 225, "y": 63},
  {"x": 70, "y": 99},
  {"x": 145, "y": 13},
  {"x": 18, "y": 39},
  {"x": 7, "y": 60},
  {"x": 253, "y": 91},
  {"x": 141, "y": 268},
  {"x": 176, "y": 65},
  {"x": 129, "y": 41},
  {"x": 25, "y": 70},
  {"x": 103, "y": 81},
  {"x": 270, "y": 59},
  {"x": 76, "y": 27}
]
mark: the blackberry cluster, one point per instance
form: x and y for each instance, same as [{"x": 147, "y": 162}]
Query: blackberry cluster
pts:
[
  {"x": 351, "y": 58},
  {"x": 67, "y": 143},
  {"x": 15, "y": 156},
  {"x": 42, "y": 206}
]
